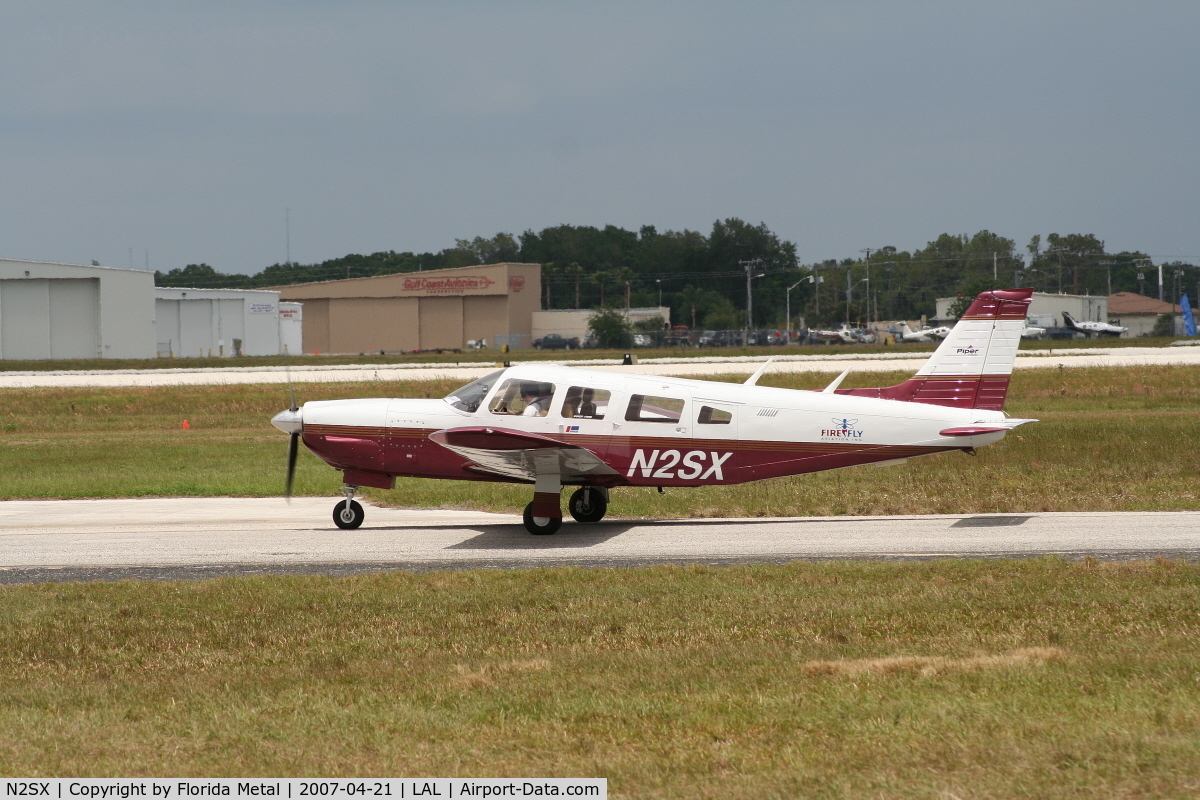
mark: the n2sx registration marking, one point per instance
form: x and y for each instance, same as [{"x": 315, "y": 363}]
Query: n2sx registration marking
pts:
[{"x": 694, "y": 463}]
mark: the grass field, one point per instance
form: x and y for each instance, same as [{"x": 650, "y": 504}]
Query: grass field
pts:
[
  {"x": 1110, "y": 439},
  {"x": 947, "y": 679},
  {"x": 490, "y": 356}
]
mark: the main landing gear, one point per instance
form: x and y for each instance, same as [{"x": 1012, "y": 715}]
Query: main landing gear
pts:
[
  {"x": 543, "y": 516},
  {"x": 588, "y": 503},
  {"x": 348, "y": 514}
]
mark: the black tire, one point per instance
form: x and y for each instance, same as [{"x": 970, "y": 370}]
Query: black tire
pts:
[
  {"x": 588, "y": 504},
  {"x": 348, "y": 519},
  {"x": 532, "y": 524}
]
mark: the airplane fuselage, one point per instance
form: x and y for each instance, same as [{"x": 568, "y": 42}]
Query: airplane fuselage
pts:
[{"x": 645, "y": 431}]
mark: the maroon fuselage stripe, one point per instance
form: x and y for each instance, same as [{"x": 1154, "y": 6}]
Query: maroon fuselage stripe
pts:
[{"x": 408, "y": 452}]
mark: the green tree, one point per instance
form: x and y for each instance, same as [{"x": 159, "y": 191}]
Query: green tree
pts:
[{"x": 611, "y": 328}]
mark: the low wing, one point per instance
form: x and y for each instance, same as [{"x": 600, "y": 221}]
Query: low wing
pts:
[{"x": 525, "y": 456}]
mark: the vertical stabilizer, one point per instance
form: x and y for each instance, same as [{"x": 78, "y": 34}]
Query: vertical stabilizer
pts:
[{"x": 972, "y": 366}]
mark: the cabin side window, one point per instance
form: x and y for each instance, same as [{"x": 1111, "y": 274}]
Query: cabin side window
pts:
[
  {"x": 713, "y": 416},
  {"x": 522, "y": 398},
  {"x": 647, "y": 408},
  {"x": 583, "y": 402}
]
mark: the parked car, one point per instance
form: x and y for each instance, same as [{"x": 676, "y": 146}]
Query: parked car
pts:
[
  {"x": 679, "y": 336},
  {"x": 771, "y": 337},
  {"x": 555, "y": 341},
  {"x": 721, "y": 339}
]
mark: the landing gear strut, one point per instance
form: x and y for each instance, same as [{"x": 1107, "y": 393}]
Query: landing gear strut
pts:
[
  {"x": 589, "y": 503},
  {"x": 348, "y": 514}
]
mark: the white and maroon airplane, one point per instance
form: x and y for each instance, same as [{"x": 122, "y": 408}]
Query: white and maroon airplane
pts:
[{"x": 551, "y": 426}]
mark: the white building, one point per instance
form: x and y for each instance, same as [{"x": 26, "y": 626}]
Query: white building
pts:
[
  {"x": 291, "y": 328},
  {"x": 573, "y": 323},
  {"x": 50, "y": 310},
  {"x": 217, "y": 322},
  {"x": 1045, "y": 310}
]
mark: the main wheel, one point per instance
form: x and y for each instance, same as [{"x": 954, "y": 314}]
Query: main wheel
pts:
[
  {"x": 348, "y": 518},
  {"x": 588, "y": 504},
  {"x": 540, "y": 526}
]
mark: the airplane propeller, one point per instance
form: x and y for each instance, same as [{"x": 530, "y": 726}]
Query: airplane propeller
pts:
[
  {"x": 290, "y": 422},
  {"x": 293, "y": 449}
]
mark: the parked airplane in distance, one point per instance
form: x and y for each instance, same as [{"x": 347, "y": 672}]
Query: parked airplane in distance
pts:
[
  {"x": 1093, "y": 328},
  {"x": 1032, "y": 332},
  {"x": 550, "y": 426},
  {"x": 907, "y": 334}
]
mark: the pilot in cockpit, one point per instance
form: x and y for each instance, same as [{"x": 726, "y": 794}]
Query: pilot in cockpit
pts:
[{"x": 537, "y": 398}]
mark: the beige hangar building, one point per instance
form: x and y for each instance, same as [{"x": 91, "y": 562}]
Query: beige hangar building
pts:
[{"x": 435, "y": 309}]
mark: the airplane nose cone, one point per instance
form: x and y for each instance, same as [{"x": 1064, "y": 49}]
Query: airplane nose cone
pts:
[{"x": 290, "y": 421}]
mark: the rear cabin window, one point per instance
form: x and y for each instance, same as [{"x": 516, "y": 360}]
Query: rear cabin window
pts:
[
  {"x": 647, "y": 408},
  {"x": 713, "y": 416},
  {"x": 582, "y": 402},
  {"x": 522, "y": 398}
]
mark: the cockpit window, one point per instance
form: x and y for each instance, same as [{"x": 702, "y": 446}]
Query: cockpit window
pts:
[
  {"x": 469, "y": 397},
  {"x": 524, "y": 398}
]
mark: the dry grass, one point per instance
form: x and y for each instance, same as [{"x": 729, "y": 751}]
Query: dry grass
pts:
[
  {"x": 994, "y": 679},
  {"x": 929, "y": 666}
]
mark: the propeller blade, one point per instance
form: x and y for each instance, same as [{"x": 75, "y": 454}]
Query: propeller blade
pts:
[
  {"x": 291, "y": 389},
  {"x": 293, "y": 449}
]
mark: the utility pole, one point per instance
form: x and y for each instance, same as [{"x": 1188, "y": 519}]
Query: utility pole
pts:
[
  {"x": 748, "y": 266},
  {"x": 788, "y": 298},
  {"x": 1160, "y": 282},
  {"x": 849, "y": 290},
  {"x": 1108, "y": 269},
  {"x": 867, "y": 261},
  {"x": 816, "y": 281}
]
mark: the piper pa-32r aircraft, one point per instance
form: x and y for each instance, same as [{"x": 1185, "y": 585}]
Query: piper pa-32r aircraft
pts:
[{"x": 551, "y": 426}]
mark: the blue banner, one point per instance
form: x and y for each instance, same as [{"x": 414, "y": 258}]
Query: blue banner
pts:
[{"x": 1189, "y": 322}]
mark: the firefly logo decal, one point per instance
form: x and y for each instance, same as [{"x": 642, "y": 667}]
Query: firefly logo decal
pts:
[
  {"x": 842, "y": 429},
  {"x": 693, "y": 462}
]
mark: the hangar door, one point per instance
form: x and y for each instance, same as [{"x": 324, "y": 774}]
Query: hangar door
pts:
[
  {"x": 50, "y": 318},
  {"x": 199, "y": 327}
]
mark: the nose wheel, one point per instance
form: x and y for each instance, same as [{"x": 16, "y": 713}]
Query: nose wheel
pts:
[{"x": 348, "y": 514}]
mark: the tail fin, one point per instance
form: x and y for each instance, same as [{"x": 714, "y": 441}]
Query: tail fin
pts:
[{"x": 972, "y": 366}]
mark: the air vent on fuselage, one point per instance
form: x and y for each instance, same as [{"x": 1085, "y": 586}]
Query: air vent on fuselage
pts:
[{"x": 768, "y": 412}]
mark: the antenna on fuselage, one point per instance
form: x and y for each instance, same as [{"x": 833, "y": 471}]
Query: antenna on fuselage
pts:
[
  {"x": 836, "y": 383},
  {"x": 753, "y": 379}
]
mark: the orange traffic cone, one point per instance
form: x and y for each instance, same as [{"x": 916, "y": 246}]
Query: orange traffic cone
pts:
[{"x": 186, "y": 426}]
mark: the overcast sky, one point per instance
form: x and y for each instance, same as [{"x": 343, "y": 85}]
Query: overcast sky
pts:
[{"x": 184, "y": 130}]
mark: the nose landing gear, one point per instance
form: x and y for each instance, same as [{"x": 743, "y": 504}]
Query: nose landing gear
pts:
[{"x": 348, "y": 514}]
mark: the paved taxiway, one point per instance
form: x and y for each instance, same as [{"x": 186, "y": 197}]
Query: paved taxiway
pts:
[
  {"x": 191, "y": 537},
  {"x": 699, "y": 367}
]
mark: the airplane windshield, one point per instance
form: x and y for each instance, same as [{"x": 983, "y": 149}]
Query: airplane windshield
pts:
[{"x": 468, "y": 398}]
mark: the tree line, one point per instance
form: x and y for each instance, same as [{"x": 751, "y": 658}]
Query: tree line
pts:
[{"x": 703, "y": 277}]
